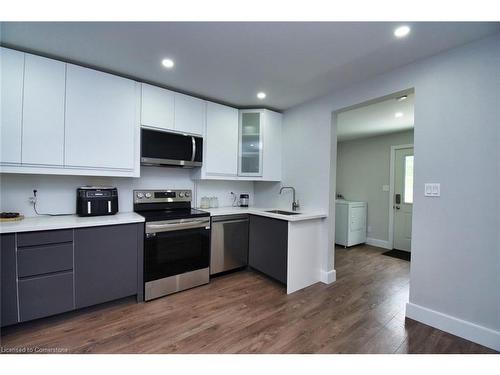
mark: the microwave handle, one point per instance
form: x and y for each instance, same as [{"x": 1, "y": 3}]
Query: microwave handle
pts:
[{"x": 193, "y": 141}]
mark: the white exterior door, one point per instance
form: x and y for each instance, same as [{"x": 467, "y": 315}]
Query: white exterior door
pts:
[{"x": 403, "y": 198}]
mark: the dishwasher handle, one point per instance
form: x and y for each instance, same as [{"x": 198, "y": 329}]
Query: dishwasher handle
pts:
[
  {"x": 233, "y": 221},
  {"x": 229, "y": 219}
]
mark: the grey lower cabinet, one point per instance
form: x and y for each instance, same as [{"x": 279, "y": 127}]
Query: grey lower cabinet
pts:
[
  {"x": 9, "y": 313},
  {"x": 45, "y": 295},
  {"x": 106, "y": 263},
  {"x": 45, "y": 273},
  {"x": 268, "y": 246}
]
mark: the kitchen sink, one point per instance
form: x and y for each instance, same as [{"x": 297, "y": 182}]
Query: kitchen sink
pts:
[{"x": 282, "y": 212}]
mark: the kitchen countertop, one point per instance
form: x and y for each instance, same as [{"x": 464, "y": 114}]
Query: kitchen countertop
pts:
[
  {"x": 30, "y": 224},
  {"x": 220, "y": 211}
]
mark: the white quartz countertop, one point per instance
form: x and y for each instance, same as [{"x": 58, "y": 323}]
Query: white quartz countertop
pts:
[
  {"x": 302, "y": 215},
  {"x": 30, "y": 224}
]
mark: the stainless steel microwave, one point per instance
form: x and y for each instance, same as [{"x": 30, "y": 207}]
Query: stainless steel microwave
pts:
[{"x": 162, "y": 148}]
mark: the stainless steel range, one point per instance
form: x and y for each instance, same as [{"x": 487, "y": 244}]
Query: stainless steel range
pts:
[{"x": 176, "y": 243}]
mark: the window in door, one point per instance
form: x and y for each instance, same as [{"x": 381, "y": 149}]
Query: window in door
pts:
[{"x": 408, "y": 183}]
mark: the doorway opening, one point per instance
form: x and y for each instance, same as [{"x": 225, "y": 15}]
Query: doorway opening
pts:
[{"x": 374, "y": 174}]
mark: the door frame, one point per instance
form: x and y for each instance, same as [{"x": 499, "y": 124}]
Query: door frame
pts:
[{"x": 391, "y": 190}]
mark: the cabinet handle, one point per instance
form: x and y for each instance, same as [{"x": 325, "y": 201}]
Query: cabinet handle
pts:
[{"x": 193, "y": 141}]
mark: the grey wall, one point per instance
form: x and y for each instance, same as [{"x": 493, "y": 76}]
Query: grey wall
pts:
[
  {"x": 362, "y": 170},
  {"x": 455, "y": 255}
]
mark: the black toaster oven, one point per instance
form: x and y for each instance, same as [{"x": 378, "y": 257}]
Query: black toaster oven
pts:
[{"x": 96, "y": 201}]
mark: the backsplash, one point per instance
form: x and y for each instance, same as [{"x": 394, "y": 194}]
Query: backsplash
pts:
[
  {"x": 222, "y": 190},
  {"x": 57, "y": 194}
]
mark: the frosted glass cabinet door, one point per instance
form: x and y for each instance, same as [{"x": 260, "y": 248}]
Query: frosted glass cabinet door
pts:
[
  {"x": 250, "y": 150},
  {"x": 100, "y": 120},
  {"x": 11, "y": 83},
  {"x": 43, "y": 111}
]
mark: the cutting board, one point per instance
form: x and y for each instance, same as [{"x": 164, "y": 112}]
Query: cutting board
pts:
[{"x": 19, "y": 218}]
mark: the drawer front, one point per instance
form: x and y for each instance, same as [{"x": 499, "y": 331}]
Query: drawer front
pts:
[
  {"x": 44, "y": 237},
  {"x": 38, "y": 260},
  {"x": 45, "y": 295}
]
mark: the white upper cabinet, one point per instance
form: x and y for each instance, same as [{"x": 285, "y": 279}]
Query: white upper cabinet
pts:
[
  {"x": 43, "y": 111},
  {"x": 11, "y": 83},
  {"x": 221, "y": 141},
  {"x": 260, "y": 145},
  {"x": 165, "y": 109},
  {"x": 157, "y": 107},
  {"x": 272, "y": 126},
  {"x": 101, "y": 123},
  {"x": 189, "y": 114},
  {"x": 241, "y": 145}
]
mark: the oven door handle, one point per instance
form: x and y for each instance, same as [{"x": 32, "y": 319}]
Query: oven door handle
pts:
[{"x": 180, "y": 225}]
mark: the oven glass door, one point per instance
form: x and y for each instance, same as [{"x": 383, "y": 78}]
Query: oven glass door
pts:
[{"x": 175, "y": 252}]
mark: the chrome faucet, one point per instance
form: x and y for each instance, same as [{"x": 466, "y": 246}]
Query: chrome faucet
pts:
[{"x": 295, "y": 204}]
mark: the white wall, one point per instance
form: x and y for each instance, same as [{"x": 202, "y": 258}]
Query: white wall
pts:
[
  {"x": 222, "y": 190},
  {"x": 455, "y": 270},
  {"x": 362, "y": 169},
  {"x": 267, "y": 195},
  {"x": 57, "y": 194}
]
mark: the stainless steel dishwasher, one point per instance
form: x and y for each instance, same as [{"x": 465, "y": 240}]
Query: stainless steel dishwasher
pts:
[{"x": 229, "y": 246}]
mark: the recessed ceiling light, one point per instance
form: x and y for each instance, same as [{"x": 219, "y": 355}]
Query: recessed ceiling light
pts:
[
  {"x": 168, "y": 63},
  {"x": 261, "y": 95},
  {"x": 401, "y": 98},
  {"x": 398, "y": 114},
  {"x": 401, "y": 31}
]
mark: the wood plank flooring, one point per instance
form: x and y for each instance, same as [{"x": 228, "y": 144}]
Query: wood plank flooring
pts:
[{"x": 245, "y": 312}]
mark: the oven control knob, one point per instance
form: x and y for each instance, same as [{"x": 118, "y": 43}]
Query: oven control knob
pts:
[
  {"x": 181, "y": 195},
  {"x": 140, "y": 195},
  {"x": 148, "y": 195},
  {"x": 187, "y": 194}
]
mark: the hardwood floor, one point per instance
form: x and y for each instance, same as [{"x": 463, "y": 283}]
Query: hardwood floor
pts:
[{"x": 245, "y": 312}]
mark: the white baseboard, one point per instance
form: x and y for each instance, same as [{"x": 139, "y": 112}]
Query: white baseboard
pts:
[
  {"x": 328, "y": 277},
  {"x": 458, "y": 327},
  {"x": 378, "y": 243}
]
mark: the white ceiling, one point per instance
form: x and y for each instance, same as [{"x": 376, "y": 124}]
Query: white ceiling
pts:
[
  {"x": 376, "y": 119},
  {"x": 231, "y": 62}
]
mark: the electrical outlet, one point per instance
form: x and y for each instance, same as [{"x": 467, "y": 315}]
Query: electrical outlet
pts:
[{"x": 32, "y": 199}]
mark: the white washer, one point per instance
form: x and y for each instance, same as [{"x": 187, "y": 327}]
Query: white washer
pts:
[{"x": 350, "y": 222}]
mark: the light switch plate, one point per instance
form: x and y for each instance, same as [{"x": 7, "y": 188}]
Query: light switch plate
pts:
[
  {"x": 385, "y": 187},
  {"x": 432, "y": 190}
]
